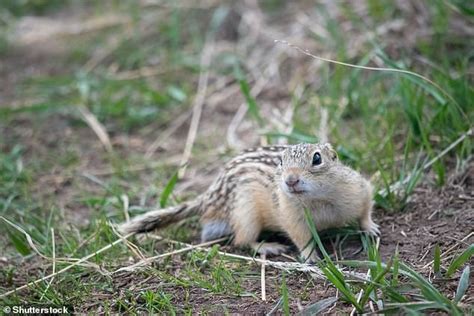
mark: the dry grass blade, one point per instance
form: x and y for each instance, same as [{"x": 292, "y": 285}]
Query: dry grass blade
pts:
[
  {"x": 133, "y": 248},
  {"x": 198, "y": 105},
  {"x": 308, "y": 53},
  {"x": 144, "y": 72},
  {"x": 450, "y": 249},
  {"x": 84, "y": 259},
  {"x": 54, "y": 259},
  {"x": 397, "y": 185},
  {"x": 323, "y": 126},
  {"x": 126, "y": 204},
  {"x": 97, "y": 127},
  {"x": 163, "y": 137},
  {"x": 28, "y": 237},
  {"x": 146, "y": 261},
  {"x": 33, "y": 30},
  {"x": 179, "y": 4},
  {"x": 448, "y": 149},
  {"x": 54, "y": 264},
  {"x": 232, "y": 139},
  {"x": 287, "y": 266}
]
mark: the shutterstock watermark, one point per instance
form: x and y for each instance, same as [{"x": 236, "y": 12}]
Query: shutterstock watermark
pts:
[{"x": 26, "y": 309}]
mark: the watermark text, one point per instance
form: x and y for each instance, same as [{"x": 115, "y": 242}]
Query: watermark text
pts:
[{"x": 25, "y": 309}]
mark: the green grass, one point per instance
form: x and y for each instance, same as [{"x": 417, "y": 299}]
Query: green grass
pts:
[
  {"x": 402, "y": 122},
  {"x": 418, "y": 294}
]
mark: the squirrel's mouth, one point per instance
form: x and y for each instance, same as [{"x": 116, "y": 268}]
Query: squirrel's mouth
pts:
[{"x": 293, "y": 190}]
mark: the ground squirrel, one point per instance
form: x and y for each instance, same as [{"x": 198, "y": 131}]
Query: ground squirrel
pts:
[{"x": 269, "y": 188}]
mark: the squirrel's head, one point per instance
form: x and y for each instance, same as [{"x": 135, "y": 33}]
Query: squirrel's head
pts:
[{"x": 302, "y": 165}]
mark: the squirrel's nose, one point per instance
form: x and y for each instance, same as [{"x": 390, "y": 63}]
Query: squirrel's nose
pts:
[{"x": 292, "y": 180}]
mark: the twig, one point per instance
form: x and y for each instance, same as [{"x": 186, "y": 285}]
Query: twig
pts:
[{"x": 97, "y": 127}]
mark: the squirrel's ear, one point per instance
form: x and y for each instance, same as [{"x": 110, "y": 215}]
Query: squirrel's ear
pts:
[{"x": 332, "y": 152}]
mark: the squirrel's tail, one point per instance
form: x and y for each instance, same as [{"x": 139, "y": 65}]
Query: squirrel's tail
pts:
[{"x": 160, "y": 218}]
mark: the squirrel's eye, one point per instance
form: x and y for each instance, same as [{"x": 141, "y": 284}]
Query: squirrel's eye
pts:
[{"x": 317, "y": 159}]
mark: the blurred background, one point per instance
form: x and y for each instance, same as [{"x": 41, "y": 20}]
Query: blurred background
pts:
[
  {"x": 136, "y": 66},
  {"x": 79, "y": 77},
  {"x": 101, "y": 100}
]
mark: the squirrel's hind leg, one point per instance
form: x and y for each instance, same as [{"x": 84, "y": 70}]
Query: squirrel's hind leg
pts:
[{"x": 215, "y": 229}]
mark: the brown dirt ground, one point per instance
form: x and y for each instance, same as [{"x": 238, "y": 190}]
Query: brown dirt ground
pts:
[{"x": 444, "y": 216}]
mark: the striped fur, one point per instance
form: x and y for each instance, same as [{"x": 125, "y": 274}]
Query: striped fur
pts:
[
  {"x": 255, "y": 165},
  {"x": 253, "y": 193}
]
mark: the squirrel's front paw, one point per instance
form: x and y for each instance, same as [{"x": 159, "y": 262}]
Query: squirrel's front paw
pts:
[
  {"x": 309, "y": 256},
  {"x": 370, "y": 228},
  {"x": 373, "y": 230},
  {"x": 269, "y": 248}
]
